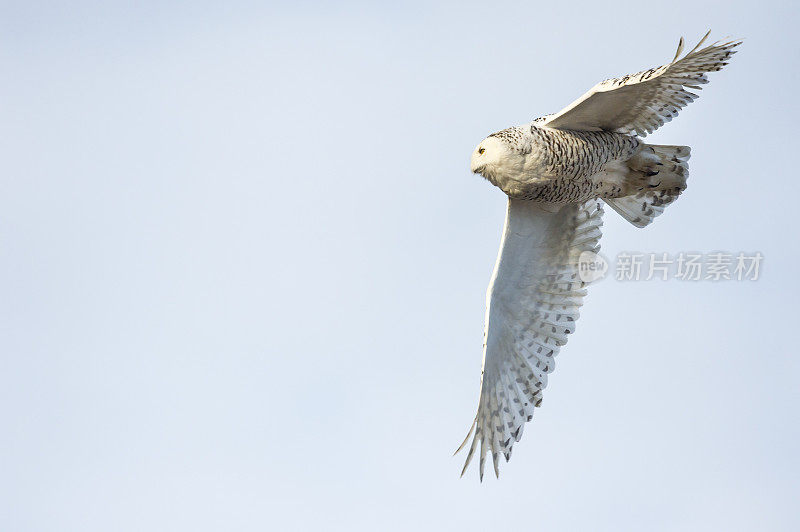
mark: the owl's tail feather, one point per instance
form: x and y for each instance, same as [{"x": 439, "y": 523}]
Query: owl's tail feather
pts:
[{"x": 656, "y": 177}]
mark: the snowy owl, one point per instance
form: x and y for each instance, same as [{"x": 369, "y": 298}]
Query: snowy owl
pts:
[{"x": 557, "y": 171}]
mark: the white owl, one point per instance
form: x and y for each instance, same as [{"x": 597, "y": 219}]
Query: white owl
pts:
[{"x": 557, "y": 171}]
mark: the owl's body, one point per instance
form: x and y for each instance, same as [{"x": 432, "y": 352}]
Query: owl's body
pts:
[
  {"x": 556, "y": 166},
  {"x": 557, "y": 172}
]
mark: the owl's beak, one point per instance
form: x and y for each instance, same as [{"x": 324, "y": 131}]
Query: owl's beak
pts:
[{"x": 476, "y": 163}]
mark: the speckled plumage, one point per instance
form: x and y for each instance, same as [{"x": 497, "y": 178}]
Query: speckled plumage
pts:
[
  {"x": 569, "y": 164},
  {"x": 557, "y": 171}
]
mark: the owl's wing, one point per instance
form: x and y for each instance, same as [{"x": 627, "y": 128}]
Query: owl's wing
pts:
[
  {"x": 531, "y": 306},
  {"x": 644, "y": 101}
]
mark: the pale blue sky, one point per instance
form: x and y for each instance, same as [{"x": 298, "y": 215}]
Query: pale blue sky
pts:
[{"x": 243, "y": 266}]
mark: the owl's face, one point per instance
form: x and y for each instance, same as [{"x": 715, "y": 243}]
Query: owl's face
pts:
[{"x": 491, "y": 157}]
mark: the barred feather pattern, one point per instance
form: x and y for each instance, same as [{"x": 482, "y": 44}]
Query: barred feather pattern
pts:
[
  {"x": 563, "y": 166},
  {"x": 641, "y": 103},
  {"x": 572, "y": 159},
  {"x": 533, "y": 303}
]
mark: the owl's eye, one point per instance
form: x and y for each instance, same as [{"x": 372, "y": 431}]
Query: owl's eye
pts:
[{"x": 481, "y": 150}]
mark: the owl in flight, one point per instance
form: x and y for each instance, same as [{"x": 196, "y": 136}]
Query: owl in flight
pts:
[{"x": 557, "y": 171}]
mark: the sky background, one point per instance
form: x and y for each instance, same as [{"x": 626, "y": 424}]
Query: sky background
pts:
[{"x": 243, "y": 266}]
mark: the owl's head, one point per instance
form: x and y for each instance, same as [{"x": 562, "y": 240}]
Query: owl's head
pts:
[{"x": 491, "y": 156}]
